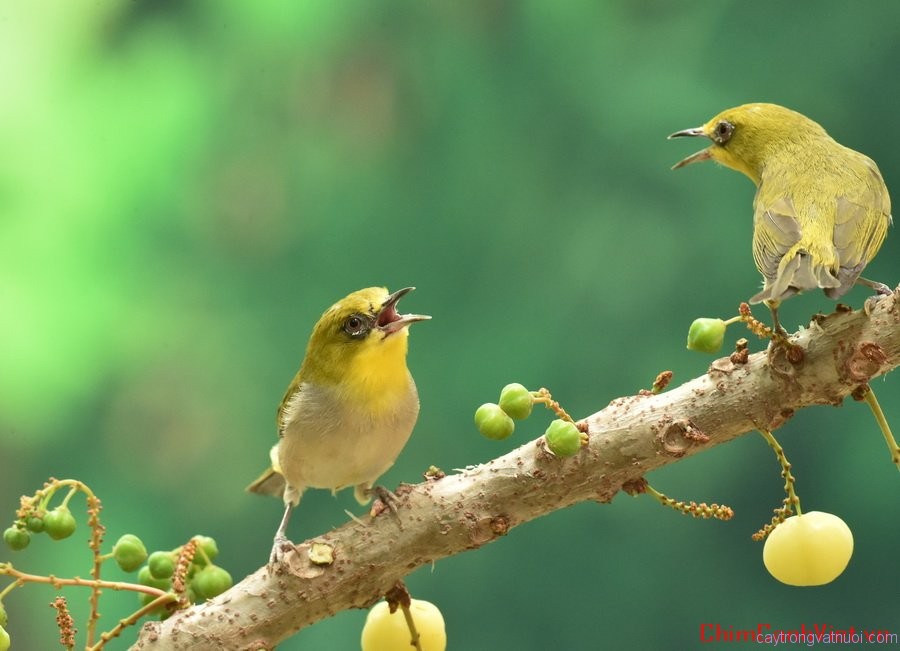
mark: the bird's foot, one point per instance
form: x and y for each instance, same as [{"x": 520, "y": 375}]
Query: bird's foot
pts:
[
  {"x": 880, "y": 290},
  {"x": 387, "y": 498},
  {"x": 280, "y": 545},
  {"x": 387, "y": 501}
]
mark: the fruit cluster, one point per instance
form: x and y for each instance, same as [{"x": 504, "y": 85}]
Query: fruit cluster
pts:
[
  {"x": 495, "y": 420},
  {"x": 203, "y": 579},
  {"x": 184, "y": 575},
  {"x": 58, "y": 524}
]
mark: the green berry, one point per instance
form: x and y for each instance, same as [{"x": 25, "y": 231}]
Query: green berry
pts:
[
  {"x": 493, "y": 422},
  {"x": 563, "y": 438},
  {"x": 161, "y": 565},
  {"x": 211, "y": 581},
  {"x": 4, "y": 639},
  {"x": 3, "y": 618},
  {"x": 145, "y": 600},
  {"x": 516, "y": 401},
  {"x": 706, "y": 335},
  {"x": 16, "y": 539},
  {"x": 129, "y": 552},
  {"x": 144, "y": 577},
  {"x": 59, "y": 523},
  {"x": 209, "y": 547},
  {"x": 34, "y": 524}
]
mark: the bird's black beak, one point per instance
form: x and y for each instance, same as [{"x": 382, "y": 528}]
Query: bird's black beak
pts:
[
  {"x": 701, "y": 155},
  {"x": 389, "y": 320}
]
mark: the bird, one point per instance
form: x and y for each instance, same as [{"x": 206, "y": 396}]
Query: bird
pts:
[
  {"x": 351, "y": 407},
  {"x": 821, "y": 210}
]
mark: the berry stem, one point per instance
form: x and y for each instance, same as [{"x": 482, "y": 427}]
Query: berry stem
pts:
[
  {"x": 22, "y": 578},
  {"x": 12, "y": 586},
  {"x": 398, "y": 596},
  {"x": 872, "y": 401},
  {"x": 71, "y": 494},
  {"x": 414, "y": 634},
  {"x": 130, "y": 620},
  {"x": 793, "y": 501},
  {"x": 544, "y": 397}
]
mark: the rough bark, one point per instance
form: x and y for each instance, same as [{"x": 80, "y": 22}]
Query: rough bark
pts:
[{"x": 630, "y": 437}]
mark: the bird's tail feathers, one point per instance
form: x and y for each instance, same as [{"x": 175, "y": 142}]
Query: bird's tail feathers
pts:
[
  {"x": 800, "y": 273},
  {"x": 271, "y": 482}
]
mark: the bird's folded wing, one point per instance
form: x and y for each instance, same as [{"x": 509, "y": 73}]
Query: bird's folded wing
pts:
[{"x": 860, "y": 226}]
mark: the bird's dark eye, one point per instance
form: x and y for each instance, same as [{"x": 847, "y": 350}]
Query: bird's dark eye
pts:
[
  {"x": 356, "y": 325},
  {"x": 722, "y": 132}
]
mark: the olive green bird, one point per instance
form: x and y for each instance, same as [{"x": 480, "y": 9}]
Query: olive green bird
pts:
[
  {"x": 821, "y": 210},
  {"x": 351, "y": 407}
]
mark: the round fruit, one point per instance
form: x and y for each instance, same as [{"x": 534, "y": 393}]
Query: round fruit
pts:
[
  {"x": 145, "y": 600},
  {"x": 809, "y": 549},
  {"x": 129, "y": 552},
  {"x": 144, "y": 577},
  {"x": 516, "y": 401},
  {"x": 563, "y": 438},
  {"x": 4, "y": 639},
  {"x": 59, "y": 523},
  {"x": 212, "y": 580},
  {"x": 493, "y": 422},
  {"x": 16, "y": 539},
  {"x": 706, "y": 335},
  {"x": 34, "y": 524},
  {"x": 386, "y": 631},
  {"x": 161, "y": 565},
  {"x": 209, "y": 546}
]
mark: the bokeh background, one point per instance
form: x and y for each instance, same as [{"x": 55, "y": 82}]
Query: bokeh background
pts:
[{"x": 186, "y": 186}]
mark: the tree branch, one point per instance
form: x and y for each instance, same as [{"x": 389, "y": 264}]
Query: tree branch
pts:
[{"x": 630, "y": 437}]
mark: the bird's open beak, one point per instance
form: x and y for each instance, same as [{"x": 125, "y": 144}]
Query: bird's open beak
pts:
[
  {"x": 389, "y": 320},
  {"x": 703, "y": 154}
]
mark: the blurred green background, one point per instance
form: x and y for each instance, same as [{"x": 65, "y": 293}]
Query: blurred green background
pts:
[{"x": 186, "y": 186}]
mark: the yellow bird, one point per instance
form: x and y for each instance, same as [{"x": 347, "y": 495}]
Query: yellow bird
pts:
[
  {"x": 351, "y": 407},
  {"x": 821, "y": 210}
]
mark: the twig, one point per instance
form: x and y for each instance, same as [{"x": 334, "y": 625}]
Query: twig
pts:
[
  {"x": 57, "y": 582},
  {"x": 872, "y": 401}
]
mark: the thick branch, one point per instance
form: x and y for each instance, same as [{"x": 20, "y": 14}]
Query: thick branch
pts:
[{"x": 631, "y": 436}]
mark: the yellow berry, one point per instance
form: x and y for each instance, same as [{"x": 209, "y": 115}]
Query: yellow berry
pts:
[
  {"x": 385, "y": 631},
  {"x": 4, "y": 639},
  {"x": 809, "y": 549}
]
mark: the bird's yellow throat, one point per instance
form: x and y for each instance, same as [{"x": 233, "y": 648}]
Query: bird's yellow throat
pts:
[{"x": 376, "y": 375}]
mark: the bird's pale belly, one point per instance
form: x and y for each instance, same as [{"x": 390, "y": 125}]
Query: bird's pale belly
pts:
[{"x": 345, "y": 451}]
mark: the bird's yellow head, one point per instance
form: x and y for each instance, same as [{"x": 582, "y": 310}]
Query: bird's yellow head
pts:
[
  {"x": 744, "y": 138},
  {"x": 360, "y": 342}
]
